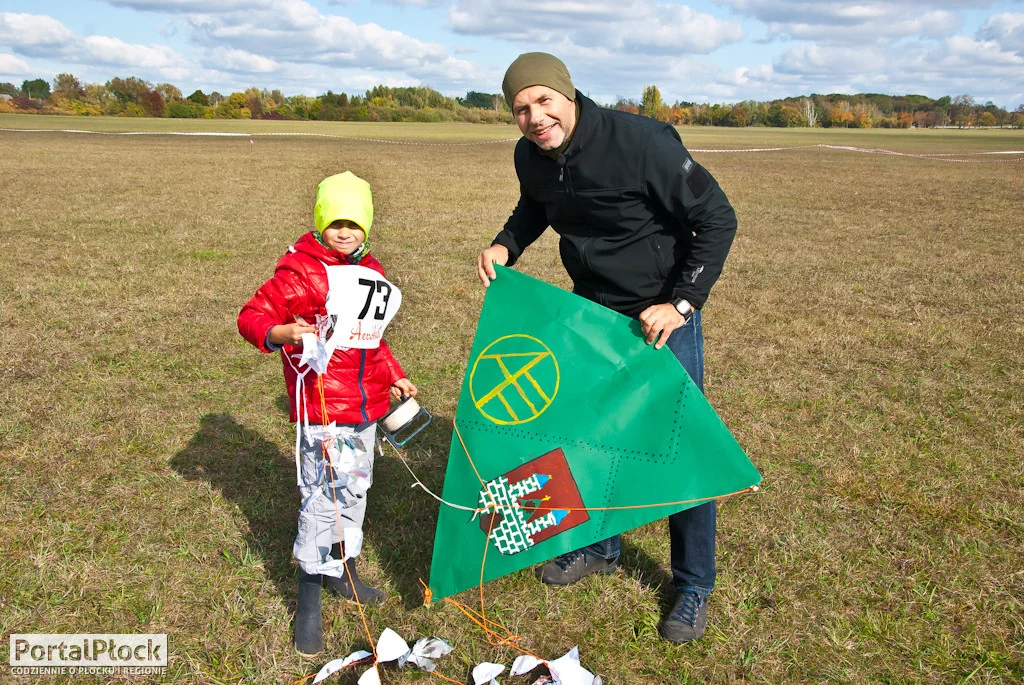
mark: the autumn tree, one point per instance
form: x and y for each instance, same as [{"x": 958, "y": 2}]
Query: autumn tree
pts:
[
  {"x": 476, "y": 99},
  {"x": 738, "y": 116},
  {"x": 36, "y": 88},
  {"x": 129, "y": 89},
  {"x": 169, "y": 92},
  {"x": 152, "y": 103},
  {"x": 650, "y": 102},
  {"x": 624, "y": 105},
  {"x": 785, "y": 116},
  {"x": 68, "y": 86},
  {"x": 809, "y": 111},
  {"x": 199, "y": 98}
]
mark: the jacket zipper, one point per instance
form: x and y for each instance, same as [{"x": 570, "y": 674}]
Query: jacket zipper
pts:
[{"x": 362, "y": 390}]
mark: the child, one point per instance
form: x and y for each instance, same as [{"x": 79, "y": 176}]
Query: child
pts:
[{"x": 326, "y": 309}]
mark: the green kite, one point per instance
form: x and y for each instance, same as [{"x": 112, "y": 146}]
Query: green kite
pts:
[{"x": 566, "y": 422}]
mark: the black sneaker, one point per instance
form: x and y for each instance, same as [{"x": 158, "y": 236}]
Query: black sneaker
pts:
[
  {"x": 687, "y": 620},
  {"x": 574, "y": 566}
]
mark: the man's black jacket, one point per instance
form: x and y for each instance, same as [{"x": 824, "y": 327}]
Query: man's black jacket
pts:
[{"x": 640, "y": 222}]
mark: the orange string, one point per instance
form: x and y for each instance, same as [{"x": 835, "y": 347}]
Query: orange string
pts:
[
  {"x": 313, "y": 675},
  {"x": 337, "y": 514},
  {"x": 752, "y": 488},
  {"x": 463, "y": 443},
  {"x": 457, "y": 682},
  {"x": 480, "y": 619}
]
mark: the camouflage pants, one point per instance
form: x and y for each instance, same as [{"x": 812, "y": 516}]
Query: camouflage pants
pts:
[{"x": 333, "y": 490}]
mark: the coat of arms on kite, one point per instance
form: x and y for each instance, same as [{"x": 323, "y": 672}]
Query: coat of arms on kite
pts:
[
  {"x": 531, "y": 503},
  {"x": 568, "y": 429}
]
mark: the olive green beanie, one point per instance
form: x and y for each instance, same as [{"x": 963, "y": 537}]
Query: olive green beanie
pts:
[
  {"x": 537, "y": 69},
  {"x": 343, "y": 196}
]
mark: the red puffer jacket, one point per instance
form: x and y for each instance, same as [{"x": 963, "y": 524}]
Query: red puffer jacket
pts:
[{"x": 357, "y": 381}]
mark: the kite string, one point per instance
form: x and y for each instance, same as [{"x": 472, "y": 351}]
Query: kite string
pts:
[
  {"x": 510, "y": 639},
  {"x": 752, "y": 488},
  {"x": 483, "y": 621},
  {"x": 337, "y": 518},
  {"x": 418, "y": 483},
  {"x": 466, "y": 450},
  {"x": 313, "y": 675}
]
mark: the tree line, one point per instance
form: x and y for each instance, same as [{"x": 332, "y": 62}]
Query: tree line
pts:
[
  {"x": 863, "y": 110},
  {"x": 133, "y": 96}
]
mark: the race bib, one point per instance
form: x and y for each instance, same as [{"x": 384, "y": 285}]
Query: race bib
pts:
[{"x": 360, "y": 305}]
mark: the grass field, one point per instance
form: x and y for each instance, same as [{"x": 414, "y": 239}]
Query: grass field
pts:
[{"x": 863, "y": 344}]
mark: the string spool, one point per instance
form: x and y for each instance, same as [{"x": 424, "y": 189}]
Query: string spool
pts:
[{"x": 404, "y": 422}]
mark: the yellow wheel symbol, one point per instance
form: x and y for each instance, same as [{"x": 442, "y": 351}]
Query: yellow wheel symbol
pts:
[{"x": 514, "y": 379}]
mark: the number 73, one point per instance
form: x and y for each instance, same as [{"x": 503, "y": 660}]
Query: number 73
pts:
[{"x": 375, "y": 287}]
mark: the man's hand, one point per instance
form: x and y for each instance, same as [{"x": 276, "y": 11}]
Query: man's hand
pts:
[
  {"x": 658, "y": 321},
  {"x": 495, "y": 254},
  {"x": 403, "y": 387},
  {"x": 289, "y": 333}
]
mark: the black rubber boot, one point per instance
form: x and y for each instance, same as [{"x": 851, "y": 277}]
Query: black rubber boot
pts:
[
  {"x": 343, "y": 587},
  {"x": 309, "y": 635}
]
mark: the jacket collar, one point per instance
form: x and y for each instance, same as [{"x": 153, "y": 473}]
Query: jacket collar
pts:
[{"x": 586, "y": 122}]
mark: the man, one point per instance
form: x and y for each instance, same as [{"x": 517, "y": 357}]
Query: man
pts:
[{"x": 645, "y": 231}]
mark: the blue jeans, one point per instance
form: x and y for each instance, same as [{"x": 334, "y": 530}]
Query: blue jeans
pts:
[{"x": 692, "y": 532}]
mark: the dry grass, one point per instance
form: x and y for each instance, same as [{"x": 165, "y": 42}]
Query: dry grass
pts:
[{"x": 863, "y": 344}]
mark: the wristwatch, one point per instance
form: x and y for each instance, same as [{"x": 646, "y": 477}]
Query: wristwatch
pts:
[{"x": 684, "y": 308}]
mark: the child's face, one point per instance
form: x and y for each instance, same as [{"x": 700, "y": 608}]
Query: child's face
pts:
[{"x": 344, "y": 236}]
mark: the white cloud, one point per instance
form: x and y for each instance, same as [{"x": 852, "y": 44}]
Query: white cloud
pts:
[
  {"x": 851, "y": 23},
  {"x": 961, "y": 51},
  {"x": 113, "y": 51},
  {"x": 241, "y": 61},
  {"x": 635, "y": 26},
  {"x": 816, "y": 62},
  {"x": 1007, "y": 29},
  {"x": 416, "y": 3},
  {"x": 32, "y": 31},
  {"x": 192, "y": 6},
  {"x": 294, "y": 32},
  {"x": 10, "y": 65}
]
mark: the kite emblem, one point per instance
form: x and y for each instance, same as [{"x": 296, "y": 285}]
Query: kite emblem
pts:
[
  {"x": 531, "y": 503},
  {"x": 514, "y": 379}
]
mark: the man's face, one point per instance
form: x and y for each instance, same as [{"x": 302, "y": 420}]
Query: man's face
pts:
[{"x": 545, "y": 116}]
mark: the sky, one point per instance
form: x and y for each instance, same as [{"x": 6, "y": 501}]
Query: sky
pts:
[{"x": 719, "y": 51}]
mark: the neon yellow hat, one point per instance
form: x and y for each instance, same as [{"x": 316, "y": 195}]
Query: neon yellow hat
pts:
[{"x": 343, "y": 196}]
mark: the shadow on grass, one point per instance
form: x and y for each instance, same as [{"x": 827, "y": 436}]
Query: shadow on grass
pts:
[
  {"x": 400, "y": 520},
  {"x": 251, "y": 472},
  {"x": 649, "y": 572}
]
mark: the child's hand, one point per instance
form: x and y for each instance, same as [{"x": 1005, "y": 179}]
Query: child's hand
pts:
[
  {"x": 289, "y": 333},
  {"x": 403, "y": 388}
]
